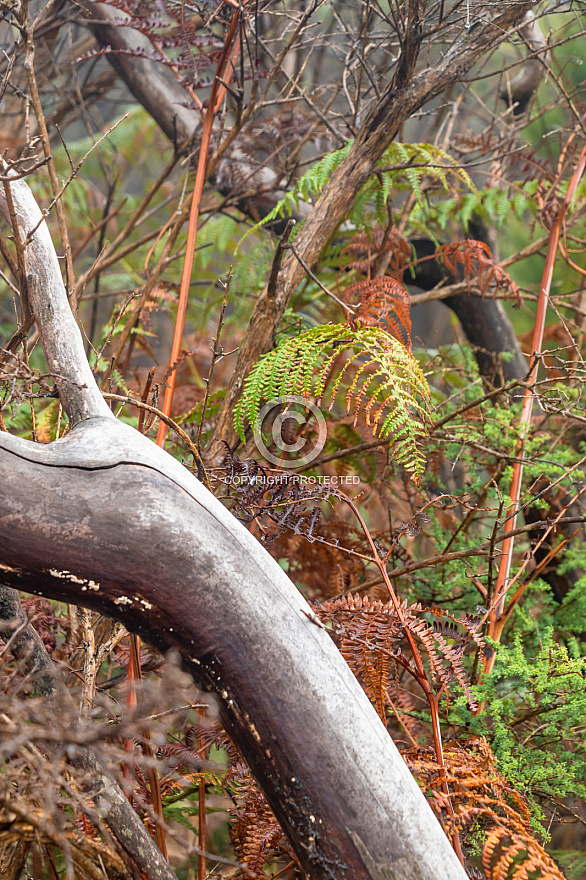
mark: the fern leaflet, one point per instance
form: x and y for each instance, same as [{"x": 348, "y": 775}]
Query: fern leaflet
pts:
[
  {"x": 387, "y": 384},
  {"x": 402, "y": 166}
]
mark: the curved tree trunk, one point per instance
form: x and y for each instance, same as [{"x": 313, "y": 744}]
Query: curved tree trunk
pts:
[{"x": 106, "y": 519}]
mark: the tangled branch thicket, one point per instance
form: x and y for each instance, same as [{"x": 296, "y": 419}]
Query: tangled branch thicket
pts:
[{"x": 425, "y": 151}]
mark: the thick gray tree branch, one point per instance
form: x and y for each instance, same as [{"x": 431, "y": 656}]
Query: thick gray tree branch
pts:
[
  {"x": 26, "y": 644},
  {"x": 164, "y": 98},
  {"x": 60, "y": 335},
  {"x": 152, "y": 84},
  {"x": 520, "y": 88},
  {"x": 106, "y": 519}
]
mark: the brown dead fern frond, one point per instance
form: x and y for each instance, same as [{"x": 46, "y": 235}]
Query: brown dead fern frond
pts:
[
  {"x": 366, "y": 248},
  {"x": 255, "y": 832},
  {"x": 484, "y": 801},
  {"x": 323, "y": 566},
  {"x": 478, "y": 263},
  {"x": 369, "y": 634}
]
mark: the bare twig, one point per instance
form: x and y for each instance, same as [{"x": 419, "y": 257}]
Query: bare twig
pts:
[{"x": 36, "y": 102}]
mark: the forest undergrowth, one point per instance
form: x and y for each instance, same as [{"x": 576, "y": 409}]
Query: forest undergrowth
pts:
[{"x": 437, "y": 532}]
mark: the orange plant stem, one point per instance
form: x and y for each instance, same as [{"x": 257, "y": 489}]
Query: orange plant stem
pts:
[
  {"x": 127, "y": 768},
  {"x": 152, "y": 775},
  {"x": 201, "y": 822},
  {"x": 498, "y": 604},
  {"x": 224, "y": 71}
]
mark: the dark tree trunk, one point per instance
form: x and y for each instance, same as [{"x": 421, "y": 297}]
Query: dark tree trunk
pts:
[{"x": 483, "y": 320}]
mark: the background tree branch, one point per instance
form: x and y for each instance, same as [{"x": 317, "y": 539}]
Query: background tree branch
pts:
[{"x": 381, "y": 125}]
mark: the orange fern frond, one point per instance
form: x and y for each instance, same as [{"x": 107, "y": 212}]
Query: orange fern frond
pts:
[
  {"x": 85, "y": 825},
  {"x": 478, "y": 262},
  {"x": 325, "y": 569},
  {"x": 369, "y": 632},
  {"x": 366, "y": 248},
  {"x": 383, "y": 302},
  {"x": 255, "y": 832},
  {"x": 483, "y": 799}
]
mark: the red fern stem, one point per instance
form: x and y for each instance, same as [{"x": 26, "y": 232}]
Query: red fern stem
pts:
[
  {"x": 224, "y": 72},
  {"x": 497, "y": 608},
  {"x": 432, "y": 698}
]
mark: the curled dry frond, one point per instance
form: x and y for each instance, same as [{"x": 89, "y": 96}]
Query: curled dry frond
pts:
[
  {"x": 383, "y": 302},
  {"x": 370, "y": 635},
  {"x": 287, "y": 503},
  {"x": 365, "y": 248},
  {"x": 255, "y": 832},
  {"x": 478, "y": 262},
  {"x": 484, "y": 801}
]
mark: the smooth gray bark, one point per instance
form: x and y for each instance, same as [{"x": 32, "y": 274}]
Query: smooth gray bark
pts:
[
  {"x": 112, "y": 522},
  {"x": 106, "y": 519}
]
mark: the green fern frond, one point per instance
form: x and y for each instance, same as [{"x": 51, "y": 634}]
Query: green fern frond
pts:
[
  {"x": 308, "y": 186},
  {"x": 492, "y": 203},
  {"x": 424, "y": 160},
  {"x": 401, "y": 166},
  {"x": 468, "y": 205},
  {"x": 316, "y": 177},
  {"x": 388, "y": 386}
]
